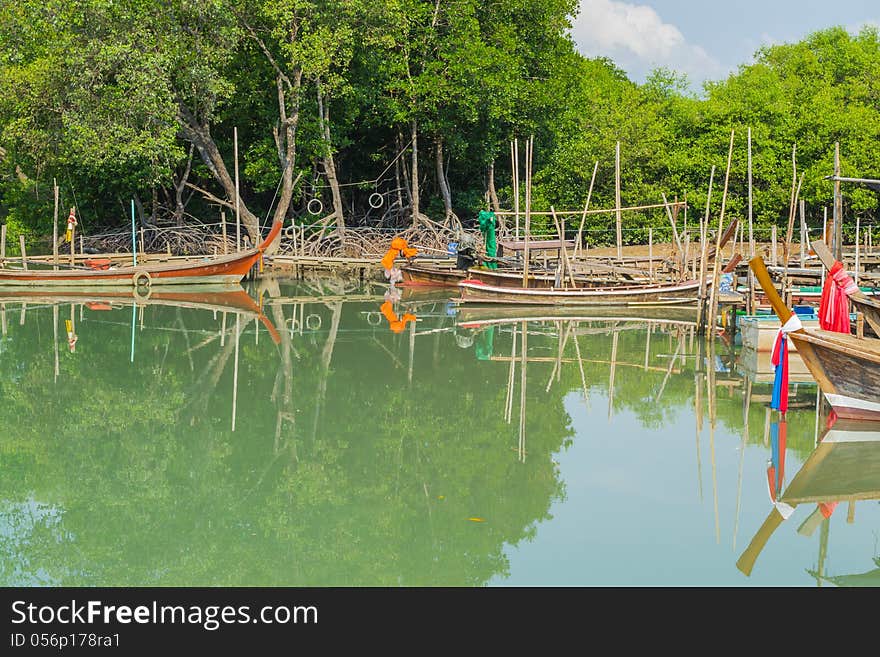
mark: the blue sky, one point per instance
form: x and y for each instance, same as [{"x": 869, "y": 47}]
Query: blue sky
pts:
[{"x": 705, "y": 40}]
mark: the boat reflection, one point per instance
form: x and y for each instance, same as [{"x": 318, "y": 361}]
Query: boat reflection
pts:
[
  {"x": 844, "y": 468},
  {"x": 203, "y": 297}
]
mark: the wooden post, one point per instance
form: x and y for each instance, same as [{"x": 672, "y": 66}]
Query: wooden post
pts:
[
  {"x": 237, "y": 204},
  {"x": 565, "y": 263},
  {"x": 3, "y": 243},
  {"x": 857, "y": 252},
  {"x": 837, "y": 214},
  {"x": 803, "y": 234},
  {"x": 577, "y": 246},
  {"x": 223, "y": 226},
  {"x": 23, "y": 252},
  {"x": 235, "y": 370},
  {"x": 55, "y": 227},
  {"x": 617, "y": 201},
  {"x": 529, "y": 146},
  {"x": 773, "y": 257},
  {"x": 72, "y": 243},
  {"x": 751, "y": 234},
  {"x": 716, "y": 267},
  {"x": 704, "y": 238}
]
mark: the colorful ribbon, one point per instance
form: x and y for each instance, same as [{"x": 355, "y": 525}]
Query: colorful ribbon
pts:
[{"x": 779, "y": 358}]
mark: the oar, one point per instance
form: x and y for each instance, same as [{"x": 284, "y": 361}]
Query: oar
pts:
[
  {"x": 782, "y": 311},
  {"x": 747, "y": 561}
]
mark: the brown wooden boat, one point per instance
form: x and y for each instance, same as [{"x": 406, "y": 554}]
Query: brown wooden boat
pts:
[
  {"x": 226, "y": 269},
  {"x": 201, "y": 297},
  {"x": 867, "y": 305},
  {"x": 846, "y": 367},
  {"x": 660, "y": 294},
  {"x": 474, "y": 315},
  {"x": 844, "y": 467},
  {"x": 434, "y": 275}
]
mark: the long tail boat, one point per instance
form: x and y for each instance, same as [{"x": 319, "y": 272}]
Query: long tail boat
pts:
[
  {"x": 474, "y": 315},
  {"x": 660, "y": 294},
  {"x": 226, "y": 269},
  {"x": 844, "y": 467},
  {"x": 846, "y": 367},
  {"x": 867, "y": 305},
  {"x": 201, "y": 297}
]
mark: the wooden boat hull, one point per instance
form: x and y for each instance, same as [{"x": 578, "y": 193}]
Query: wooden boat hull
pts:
[
  {"x": 423, "y": 275},
  {"x": 635, "y": 295},
  {"x": 846, "y": 368},
  {"x": 759, "y": 332},
  {"x": 222, "y": 270},
  {"x": 447, "y": 276},
  {"x": 473, "y": 315},
  {"x": 202, "y": 297}
]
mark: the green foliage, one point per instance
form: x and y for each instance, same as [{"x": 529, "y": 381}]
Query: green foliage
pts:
[{"x": 91, "y": 95}]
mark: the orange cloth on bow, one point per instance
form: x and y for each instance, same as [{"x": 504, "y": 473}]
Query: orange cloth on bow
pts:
[
  {"x": 395, "y": 323},
  {"x": 398, "y": 247}
]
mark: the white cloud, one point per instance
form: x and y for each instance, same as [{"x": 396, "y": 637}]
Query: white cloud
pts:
[{"x": 637, "y": 39}]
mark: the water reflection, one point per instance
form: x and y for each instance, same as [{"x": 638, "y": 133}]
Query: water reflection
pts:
[
  {"x": 297, "y": 440},
  {"x": 844, "y": 468}
]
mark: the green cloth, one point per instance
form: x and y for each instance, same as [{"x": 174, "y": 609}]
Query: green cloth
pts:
[
  {"x": 484, "y": 345},
  {"x": 486, "y": 219}
]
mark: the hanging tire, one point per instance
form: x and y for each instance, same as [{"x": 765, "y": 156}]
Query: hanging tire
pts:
[{"x": 141, "y": 278}]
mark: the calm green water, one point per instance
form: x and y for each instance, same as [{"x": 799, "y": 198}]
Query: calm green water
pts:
[{"x": 181, "y": 446}]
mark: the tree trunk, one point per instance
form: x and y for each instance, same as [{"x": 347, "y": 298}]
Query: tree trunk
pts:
[
  {"x": 179, "y": 186},
  {"x": 442, "y": 184},
  {"x": 286, "y": 142},
  {"x": 200, "y": 135},
  {"x": 329, "y": 163},
  {"x": 415, "y": 174},
  {"x": 493, "y": 195},
  {"x": 397, "y": 182}
]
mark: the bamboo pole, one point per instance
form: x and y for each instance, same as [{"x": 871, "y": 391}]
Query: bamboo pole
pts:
[
  {"x": 237, "y": 204},
  {"x": 773, "y": 257},
  {"x": 508, "y": 402},
  {"x": 23, "y": 252},
  {"x": 614, "y": 339},
  {"x": 713, "y": 305},
  {"x": 3, "y": 243},
  {"x": 55, "y": 226},
  {"x": 577, "y": 350},
  {"x": 617, "y": 201},
  {"x": 223, "y": 227},
  {"x": 577, "y": 246},
  {"x": 704, "y": 237},
  {"x": 529, "y": 146},
  {"x": 235, "y": 371},
  {"x": 55, "y": 339},
  {"x": 515, "y": 172},
  {"x": 803, "y": 233},
  {"x": 751, "y": 234},
  {"x": 522, "y": 392},
  {"x": 856, "y": 277},
  {"x": 677, "y": 241},
  {"x": 72, "y": 243},
  {"x": 560, "y": 230},
  {"x": 837, "y": 213},
  {"x": 651, "y": 254}
]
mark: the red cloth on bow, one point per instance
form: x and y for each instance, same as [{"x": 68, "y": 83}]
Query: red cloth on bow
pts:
[{"x": 834, "y": 303}]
